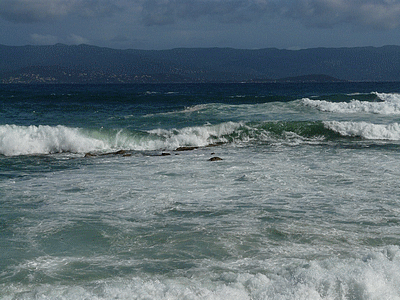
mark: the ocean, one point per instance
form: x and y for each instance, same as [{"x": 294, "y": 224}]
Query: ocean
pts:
[{"x": 200, "y": 191}]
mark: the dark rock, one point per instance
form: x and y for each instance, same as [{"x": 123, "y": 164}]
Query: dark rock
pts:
[
  {"x": 165, "y": 154},
  {"x": 185, "y": 148},
  {"x": 119, "y": 152},
  {"x": 89, "y": 154},
  {"x": 215, "y": 158}
]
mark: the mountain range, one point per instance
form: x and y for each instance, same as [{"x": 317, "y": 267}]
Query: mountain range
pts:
[{"x": 91, "y": 64}]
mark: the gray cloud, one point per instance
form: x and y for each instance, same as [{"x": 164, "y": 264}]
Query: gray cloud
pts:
[
  {"x": 161, "y": 12},
  {"x": 30, "y": 11},
  {"x": 77, "y": 40},
  {"x": 40, "y": 39},
  {"x": 381, "y": 14},
  {"x": 33, "y": 11}
]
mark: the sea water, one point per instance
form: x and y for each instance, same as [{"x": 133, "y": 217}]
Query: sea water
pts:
[{"x": 304, "y": 203}]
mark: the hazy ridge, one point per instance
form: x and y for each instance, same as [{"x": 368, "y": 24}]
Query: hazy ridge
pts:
[{"x": 91, "y": 64}]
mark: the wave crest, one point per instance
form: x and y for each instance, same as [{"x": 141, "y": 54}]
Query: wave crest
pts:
[{"x": 43, "y": 139}]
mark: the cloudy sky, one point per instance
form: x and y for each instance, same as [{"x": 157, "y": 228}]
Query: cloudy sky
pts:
[{"x": 166, "y": 24}]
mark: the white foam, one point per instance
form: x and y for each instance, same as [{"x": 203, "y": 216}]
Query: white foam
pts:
[
  {"x": 388, "y": 97},
  {"x": 390, "y": 105},
  {"x": 366, "y": 130},
  {"x": 196, "y": 136},
  {"x": 23, "y": 140},
  {"x": 374, "y": 275}
]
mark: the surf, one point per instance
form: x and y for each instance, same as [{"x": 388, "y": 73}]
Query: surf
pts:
[{"x": 44, "y": 139}]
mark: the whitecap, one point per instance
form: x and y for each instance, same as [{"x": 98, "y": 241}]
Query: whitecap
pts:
[{"x": 366, "y": 130}]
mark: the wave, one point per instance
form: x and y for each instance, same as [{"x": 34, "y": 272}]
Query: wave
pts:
[
  {"x": 32, "y": 140},
  {"x": 389, "y": 104},
  {"x": 35, "y": 140},
  {"x": 188, "y": 109}
]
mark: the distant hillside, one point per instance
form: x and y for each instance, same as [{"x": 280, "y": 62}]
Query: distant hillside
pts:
[{"x": 90, "y": 64}]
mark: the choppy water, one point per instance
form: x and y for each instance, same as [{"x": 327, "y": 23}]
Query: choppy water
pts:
[{"x": 303, "y": 205}]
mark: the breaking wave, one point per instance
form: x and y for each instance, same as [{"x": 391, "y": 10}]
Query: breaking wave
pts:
[
  {"x": 389, "y": 104},
  {"x": 23, "y": 140},
  {"x": 33, "y": 140},
  {"x": 43, "y": 139}
]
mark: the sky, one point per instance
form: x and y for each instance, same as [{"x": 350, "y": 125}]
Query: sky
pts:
[{"x": 167, "y": 24}]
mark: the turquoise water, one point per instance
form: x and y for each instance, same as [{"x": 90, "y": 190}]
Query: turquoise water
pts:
[{"x": 303, "y": 205}]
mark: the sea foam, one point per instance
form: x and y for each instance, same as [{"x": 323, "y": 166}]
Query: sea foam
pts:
[{"x": 375, "y": 275}]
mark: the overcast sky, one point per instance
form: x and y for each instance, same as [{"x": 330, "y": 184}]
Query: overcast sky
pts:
[{"x": 166, "y": 24}]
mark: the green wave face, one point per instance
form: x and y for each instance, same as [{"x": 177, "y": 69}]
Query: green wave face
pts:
[{"x": 282, "y": 131}]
